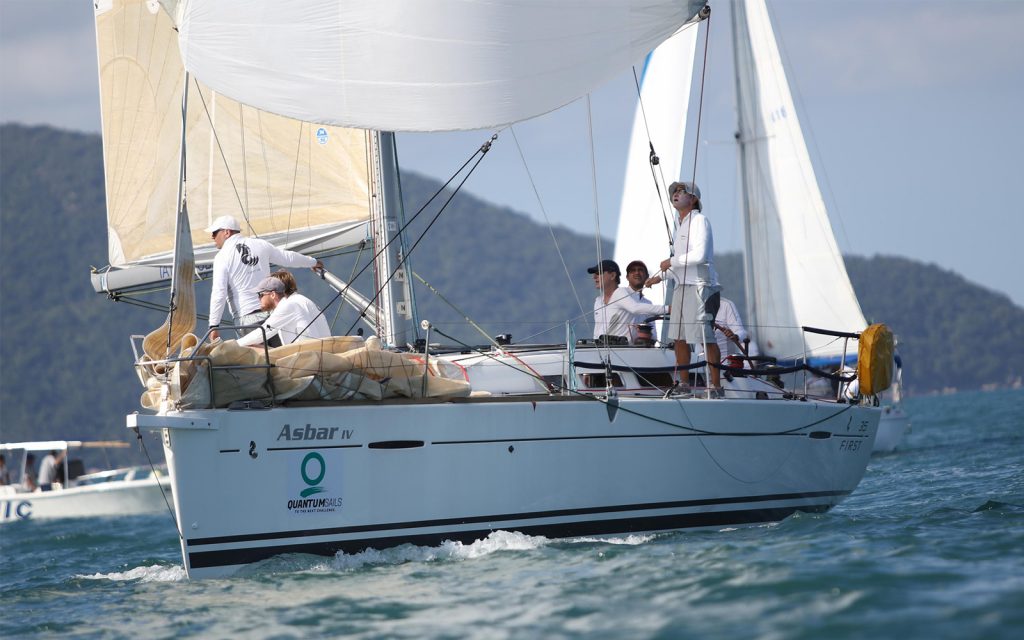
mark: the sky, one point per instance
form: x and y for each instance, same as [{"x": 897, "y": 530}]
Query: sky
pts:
[{"x": 911, "y": 109}]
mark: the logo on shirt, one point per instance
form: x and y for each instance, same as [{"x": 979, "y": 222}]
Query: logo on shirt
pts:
[
  {"x": 246, "y": 257},
  {"x": 321, "y": 135}
]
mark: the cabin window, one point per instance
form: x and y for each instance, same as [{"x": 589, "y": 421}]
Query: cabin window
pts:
[
  {"x": 655, "y": 379},
  {"x": 598, "y": 380}
]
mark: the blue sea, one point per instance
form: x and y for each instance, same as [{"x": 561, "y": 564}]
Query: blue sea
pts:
[{"x": 931, "y": 545}]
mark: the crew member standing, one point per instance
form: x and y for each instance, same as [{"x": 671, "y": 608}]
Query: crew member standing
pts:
[
  {"x": 695, "y": 298},
  {"x": 241, "y": 263}
]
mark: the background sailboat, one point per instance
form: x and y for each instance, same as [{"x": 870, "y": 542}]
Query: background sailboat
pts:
[{"x": 794, "y": 272}]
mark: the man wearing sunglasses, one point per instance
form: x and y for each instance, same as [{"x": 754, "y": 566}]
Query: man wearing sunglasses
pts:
[
  {"x": 695, "y": 298},
  {"x": 238, "y": 268}
]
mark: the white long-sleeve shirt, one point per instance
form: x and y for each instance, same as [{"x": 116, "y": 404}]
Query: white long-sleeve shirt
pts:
[
  {"x": 237, "y": 270},
  {"x": 729, "y": 318},
  {"x": 617, "y": 317},
  {"x": 693, "y": 252},
  {"x": 291, "y": 316}
]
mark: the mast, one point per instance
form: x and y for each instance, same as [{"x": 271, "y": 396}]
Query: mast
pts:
[
  {"x": 396, "y": 322},
  {"x": 743, "y": 132}
]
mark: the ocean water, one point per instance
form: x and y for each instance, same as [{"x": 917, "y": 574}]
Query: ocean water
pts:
[{"x": 931, "y": 545}]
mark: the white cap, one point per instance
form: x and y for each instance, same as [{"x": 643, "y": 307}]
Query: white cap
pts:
[{"x": 224, "y": 222}]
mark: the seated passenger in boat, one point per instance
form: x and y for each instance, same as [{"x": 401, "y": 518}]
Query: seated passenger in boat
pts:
[
  {"x": 617, "y": 308},
  {"x": 5, "y": 474},
  {"x": 28, "y": 478},
  {"x": 293, "y": 316}
]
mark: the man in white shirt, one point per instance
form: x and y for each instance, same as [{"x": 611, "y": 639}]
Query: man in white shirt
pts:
[
  {"x": 617, "y": 308},
  {"x": 48, "y": 469},
  {"x": 695, "y": 298},
  {"x": 292, "y": 316},
  {"x": 240, "y": 264},
  {"x": 729, "y": 330}
]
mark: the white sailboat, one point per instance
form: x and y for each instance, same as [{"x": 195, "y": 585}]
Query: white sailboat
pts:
[
  {"x": 75, "y": 493},
  {"x": 345, "y": 444},
  {"x": 795, "y": 274}
]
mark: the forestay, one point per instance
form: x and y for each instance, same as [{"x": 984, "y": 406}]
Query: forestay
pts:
[
  {"x": 428, "y": 65},
  {"x": 301, "y": 186},
  {"x": 795, "y": 275}
]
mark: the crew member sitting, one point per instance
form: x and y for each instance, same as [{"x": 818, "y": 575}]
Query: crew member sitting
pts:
[{"x": 293, "y": 315}]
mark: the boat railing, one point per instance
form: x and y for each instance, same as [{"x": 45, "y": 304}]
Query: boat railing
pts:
[{"x": 147, "y": 368}]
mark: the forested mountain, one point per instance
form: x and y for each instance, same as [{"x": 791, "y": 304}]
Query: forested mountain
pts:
[{"x": 65, "y": 361}]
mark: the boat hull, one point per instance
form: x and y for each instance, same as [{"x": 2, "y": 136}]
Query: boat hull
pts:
[
  {"x": 893, "y": 425},
  {"x": 133, "y": 497},
  {"x": 252, "y": 484}
]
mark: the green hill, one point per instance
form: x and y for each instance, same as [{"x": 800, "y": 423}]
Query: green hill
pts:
[{"x": 65, "y": 360}]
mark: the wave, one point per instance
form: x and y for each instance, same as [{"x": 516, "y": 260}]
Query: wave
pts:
[{"x": 152, "y": 573}]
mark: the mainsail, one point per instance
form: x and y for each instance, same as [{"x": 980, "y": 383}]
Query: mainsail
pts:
[
  {"x": 302, "y": 186},
  {"x": 428, "y": 65},
  {"x": 795, "y": 275}
]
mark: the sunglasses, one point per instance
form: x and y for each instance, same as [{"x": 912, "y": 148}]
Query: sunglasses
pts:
[
  {"x": 264, "y": 293},
  {"x": 214, "y": 234}
]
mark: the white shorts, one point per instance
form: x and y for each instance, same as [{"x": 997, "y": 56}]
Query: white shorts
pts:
[{"x": 694, "y": 307}]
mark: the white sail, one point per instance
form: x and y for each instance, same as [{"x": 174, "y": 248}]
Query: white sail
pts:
[
  {"x": 645, "y": 216},
  {"x": 301, "y": 186},
  {"x": 428, "y": 65},
  {"x": 795, "y": 275}
]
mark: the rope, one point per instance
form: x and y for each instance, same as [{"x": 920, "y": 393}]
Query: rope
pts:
[{"x": 163, "y": 494}]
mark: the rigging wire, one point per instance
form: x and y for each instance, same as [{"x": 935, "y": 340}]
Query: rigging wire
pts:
[
  {"x": 481, "y": 151},
  {"x": 619, "y": 407},
  {"x": 551, "y": 229},
  {"x": 652, "y": 161}
]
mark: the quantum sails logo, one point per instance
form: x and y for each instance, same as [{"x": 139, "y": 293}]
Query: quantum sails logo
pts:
[{"x": 315, "y": 485}]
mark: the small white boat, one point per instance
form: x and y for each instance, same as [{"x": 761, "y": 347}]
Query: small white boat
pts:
[{"x": 116, "y": 492}]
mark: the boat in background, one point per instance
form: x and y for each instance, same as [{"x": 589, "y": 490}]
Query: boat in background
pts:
[
  {"x": 77, "y": 494},
  {"x": 794, "y": 272}
]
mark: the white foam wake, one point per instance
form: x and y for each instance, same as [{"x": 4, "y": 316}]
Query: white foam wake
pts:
[
  {"x": 152, "y": 573},
  {"x": 496, "y": 541}
]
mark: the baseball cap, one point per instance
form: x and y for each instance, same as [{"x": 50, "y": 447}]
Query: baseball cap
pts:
[
  {"x": 224, "y": 222},
  {"x": 605, "y": 265},
  {"x": 689, "y": 187},
  {"x": 270, "y": 283}
]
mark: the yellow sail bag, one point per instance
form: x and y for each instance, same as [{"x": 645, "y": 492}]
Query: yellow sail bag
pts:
[{"x": 875, "y": 359}]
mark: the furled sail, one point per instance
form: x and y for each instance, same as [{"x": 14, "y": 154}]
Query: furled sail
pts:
[
  {"x": 645, "y": 217},
  {"x": 795, "y": 275},
  {"x": 419, "y": 66},
  {"x": 301, "y": 186}
]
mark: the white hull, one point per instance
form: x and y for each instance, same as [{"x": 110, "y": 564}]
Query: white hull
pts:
[
  {"x": 115, "y": 498},
  {"x": 419, "y": 472},
  {"x": 893, "y": 425}
]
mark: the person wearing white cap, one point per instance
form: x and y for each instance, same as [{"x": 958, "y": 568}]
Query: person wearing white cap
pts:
[
  {"x": 696, "y": 297},
  {"x": 292, "y": 315},
  {"x": 239, "y": 266}
]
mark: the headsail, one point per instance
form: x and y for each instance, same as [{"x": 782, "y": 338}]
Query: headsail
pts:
[
  {"x": 795, "y": 275},
  {"x": 645, "y": 217},
  {"x": 419, "y": 66},
  {"x": 301, "y": 186}
]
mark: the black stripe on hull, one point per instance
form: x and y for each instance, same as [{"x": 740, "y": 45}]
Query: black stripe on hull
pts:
[
  {"x": 208, "y": 559},
  {"x": 505, "y": 517}
]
